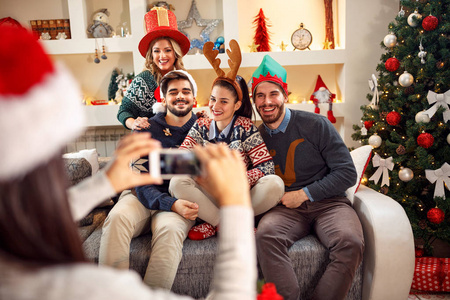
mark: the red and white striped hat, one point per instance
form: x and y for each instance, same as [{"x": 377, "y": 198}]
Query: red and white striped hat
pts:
[{"x": 40, "y": 104}]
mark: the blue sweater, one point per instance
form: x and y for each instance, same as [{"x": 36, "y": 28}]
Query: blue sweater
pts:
[
  {"x": 156, "y": 197},
  {"x": 311, "y": 153}
]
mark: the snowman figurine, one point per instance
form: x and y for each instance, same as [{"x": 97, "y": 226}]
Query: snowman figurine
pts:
[{"x": 101, "y": 28}]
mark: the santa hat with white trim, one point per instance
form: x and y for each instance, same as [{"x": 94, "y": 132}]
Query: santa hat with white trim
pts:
[{"x": 40, "y": 104}]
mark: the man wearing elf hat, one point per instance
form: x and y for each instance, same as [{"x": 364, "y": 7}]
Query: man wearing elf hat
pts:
[{"x": 316, "y": 168}]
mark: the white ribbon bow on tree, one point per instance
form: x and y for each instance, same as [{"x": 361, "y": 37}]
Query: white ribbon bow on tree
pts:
[
  {"x": 384, "y": 166},
  {"x": 373, "y": 84},
  {"x": 439, "y": 100},
  {"x": 440, "y": 176}
]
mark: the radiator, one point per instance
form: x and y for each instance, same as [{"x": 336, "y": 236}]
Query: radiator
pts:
[{"x": 103, "y": 139}]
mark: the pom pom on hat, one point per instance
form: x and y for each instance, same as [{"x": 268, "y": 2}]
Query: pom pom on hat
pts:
[{"x": 40, "y": 104}]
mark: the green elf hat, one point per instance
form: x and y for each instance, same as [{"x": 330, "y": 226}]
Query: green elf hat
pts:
[{"x": 270, "y": 70}]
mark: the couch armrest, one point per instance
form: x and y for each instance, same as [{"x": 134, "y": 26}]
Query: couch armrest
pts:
[{"x": 389, "y": 246}]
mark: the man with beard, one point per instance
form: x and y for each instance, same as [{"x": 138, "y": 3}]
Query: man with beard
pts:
[
  {"x": 150, "y": 207},
  {"x": 316, "y": 168}
]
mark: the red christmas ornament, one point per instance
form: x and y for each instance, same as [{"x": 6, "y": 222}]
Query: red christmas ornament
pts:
[
  {"x": 430, "y": 23},
  {"x": 368, "y": 124},
  {"x": 393, "y": 118},
  {"x": 392, "y": 64},
  {"x": 269, "y": 292},
  {"x": 435, "y": 215},
  {"x": 425, "y": 140},
  {"x": 419, "y": 252}
]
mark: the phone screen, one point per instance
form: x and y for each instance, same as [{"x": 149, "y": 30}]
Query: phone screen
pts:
[{"x": 175, "y": 162}]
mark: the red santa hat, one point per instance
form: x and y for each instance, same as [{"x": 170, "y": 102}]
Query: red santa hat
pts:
[
  {"x": 40, "y": 104},
  {"x": 323, "y": 95}
]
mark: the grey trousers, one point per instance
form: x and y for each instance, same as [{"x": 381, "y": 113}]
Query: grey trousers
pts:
[{"x": 335, "y": 224}]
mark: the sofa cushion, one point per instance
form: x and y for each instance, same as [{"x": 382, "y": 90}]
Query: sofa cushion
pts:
[
  {"x": 195, "y": 272},
  {"x": 361, "y": 158},
  {"x": 77, "y": 169}
]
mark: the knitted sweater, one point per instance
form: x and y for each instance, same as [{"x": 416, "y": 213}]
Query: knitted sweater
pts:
[
  {"x": 139, "y": 98},
  {"x": 157, "y": 197},
  {"x": 311, "y": 153},
  {"x": 245, "y": 138}
]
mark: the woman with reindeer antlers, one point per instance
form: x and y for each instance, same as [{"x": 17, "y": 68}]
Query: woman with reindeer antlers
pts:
[{"x": 230, "y": 123}]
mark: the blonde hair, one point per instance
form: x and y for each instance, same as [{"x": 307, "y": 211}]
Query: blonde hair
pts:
[{"x": 151, "y": 66}]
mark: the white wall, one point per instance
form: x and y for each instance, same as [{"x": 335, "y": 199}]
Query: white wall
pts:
[{"x": 366, "y": 23}]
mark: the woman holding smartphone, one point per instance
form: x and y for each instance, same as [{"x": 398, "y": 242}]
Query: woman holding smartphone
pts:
[{"x": 230, "y": 123}]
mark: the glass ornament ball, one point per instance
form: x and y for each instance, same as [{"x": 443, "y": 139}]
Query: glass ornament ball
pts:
[
  {"x": 405, "y": 174},
  {"x": 414, "y": 19},
  {"x": 406, "y": 79},
  {"x": 421, "y": 117},
  {"x": 392, "y": 64},
  {"x": 430, "y": 23},
  {"x": 220, "y": 40},
  {"x": 448, "y": 138},
  {"x": 375, "y": 141},
  {"x": 390, "y": 40}
]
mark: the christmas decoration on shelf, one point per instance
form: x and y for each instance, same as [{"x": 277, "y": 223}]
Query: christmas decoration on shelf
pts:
[
  {"x": 209, "y": 24},
  {"x": 282, "y": 46},
  {"x": 301, "y": 38},
  {"x": 253, "y": 47},
  {"x": 329, "y": 31},
  {"x": 323, "y": 95},
  {"x": 219, "y": 44},
  {"x": 261, "y": 38},
  {"x": 384, "y": 166},
  {"x": 411, "y": 119},
  {"x": 101, "y": 27},
  {"x": 414, "y": 18}
]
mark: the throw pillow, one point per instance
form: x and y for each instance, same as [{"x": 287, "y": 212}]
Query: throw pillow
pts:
[
  {"x": 361, "y": 158},
  {"x": 90, "y": 155}
]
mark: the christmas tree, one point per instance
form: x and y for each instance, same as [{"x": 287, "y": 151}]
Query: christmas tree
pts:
[
  {"x": 408, "y": 120},
  {"x": 261, "y": 38}
]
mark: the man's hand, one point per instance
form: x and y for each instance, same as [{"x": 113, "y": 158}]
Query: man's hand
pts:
[
  {"x": 186, "y": 209},
  {"x": 224, "y": 175},
  {"x": 131, "y": 147},
  {"x": 294, "y": 199}
]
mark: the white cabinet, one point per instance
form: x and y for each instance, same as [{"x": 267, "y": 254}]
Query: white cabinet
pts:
[{"x": 237, "y": 15}]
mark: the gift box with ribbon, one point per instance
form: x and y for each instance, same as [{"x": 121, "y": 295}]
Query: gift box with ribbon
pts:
[{"x": 432, "y": 274}]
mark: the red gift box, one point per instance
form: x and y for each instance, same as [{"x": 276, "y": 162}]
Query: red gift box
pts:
[{"x": 431, "y": 274}]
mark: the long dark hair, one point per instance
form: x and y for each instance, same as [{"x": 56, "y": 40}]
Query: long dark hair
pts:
[
  {"x": 246, "y": 109},
  {"x": 36, "y": 225}
]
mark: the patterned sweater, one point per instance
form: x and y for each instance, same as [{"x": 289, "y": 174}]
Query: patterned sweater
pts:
[
  {"x": 139, "y": 98},
  {"x": 245, "y": 138}
]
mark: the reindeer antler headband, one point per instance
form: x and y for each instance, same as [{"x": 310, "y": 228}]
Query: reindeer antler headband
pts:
[{"x": 234, "y": 62}]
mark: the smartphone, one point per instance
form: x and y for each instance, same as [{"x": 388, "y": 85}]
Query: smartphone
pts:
[{"x": 166, "y": 163}]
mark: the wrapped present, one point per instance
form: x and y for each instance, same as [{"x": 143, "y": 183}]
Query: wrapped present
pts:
[{"x": 432, "y": 274}]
